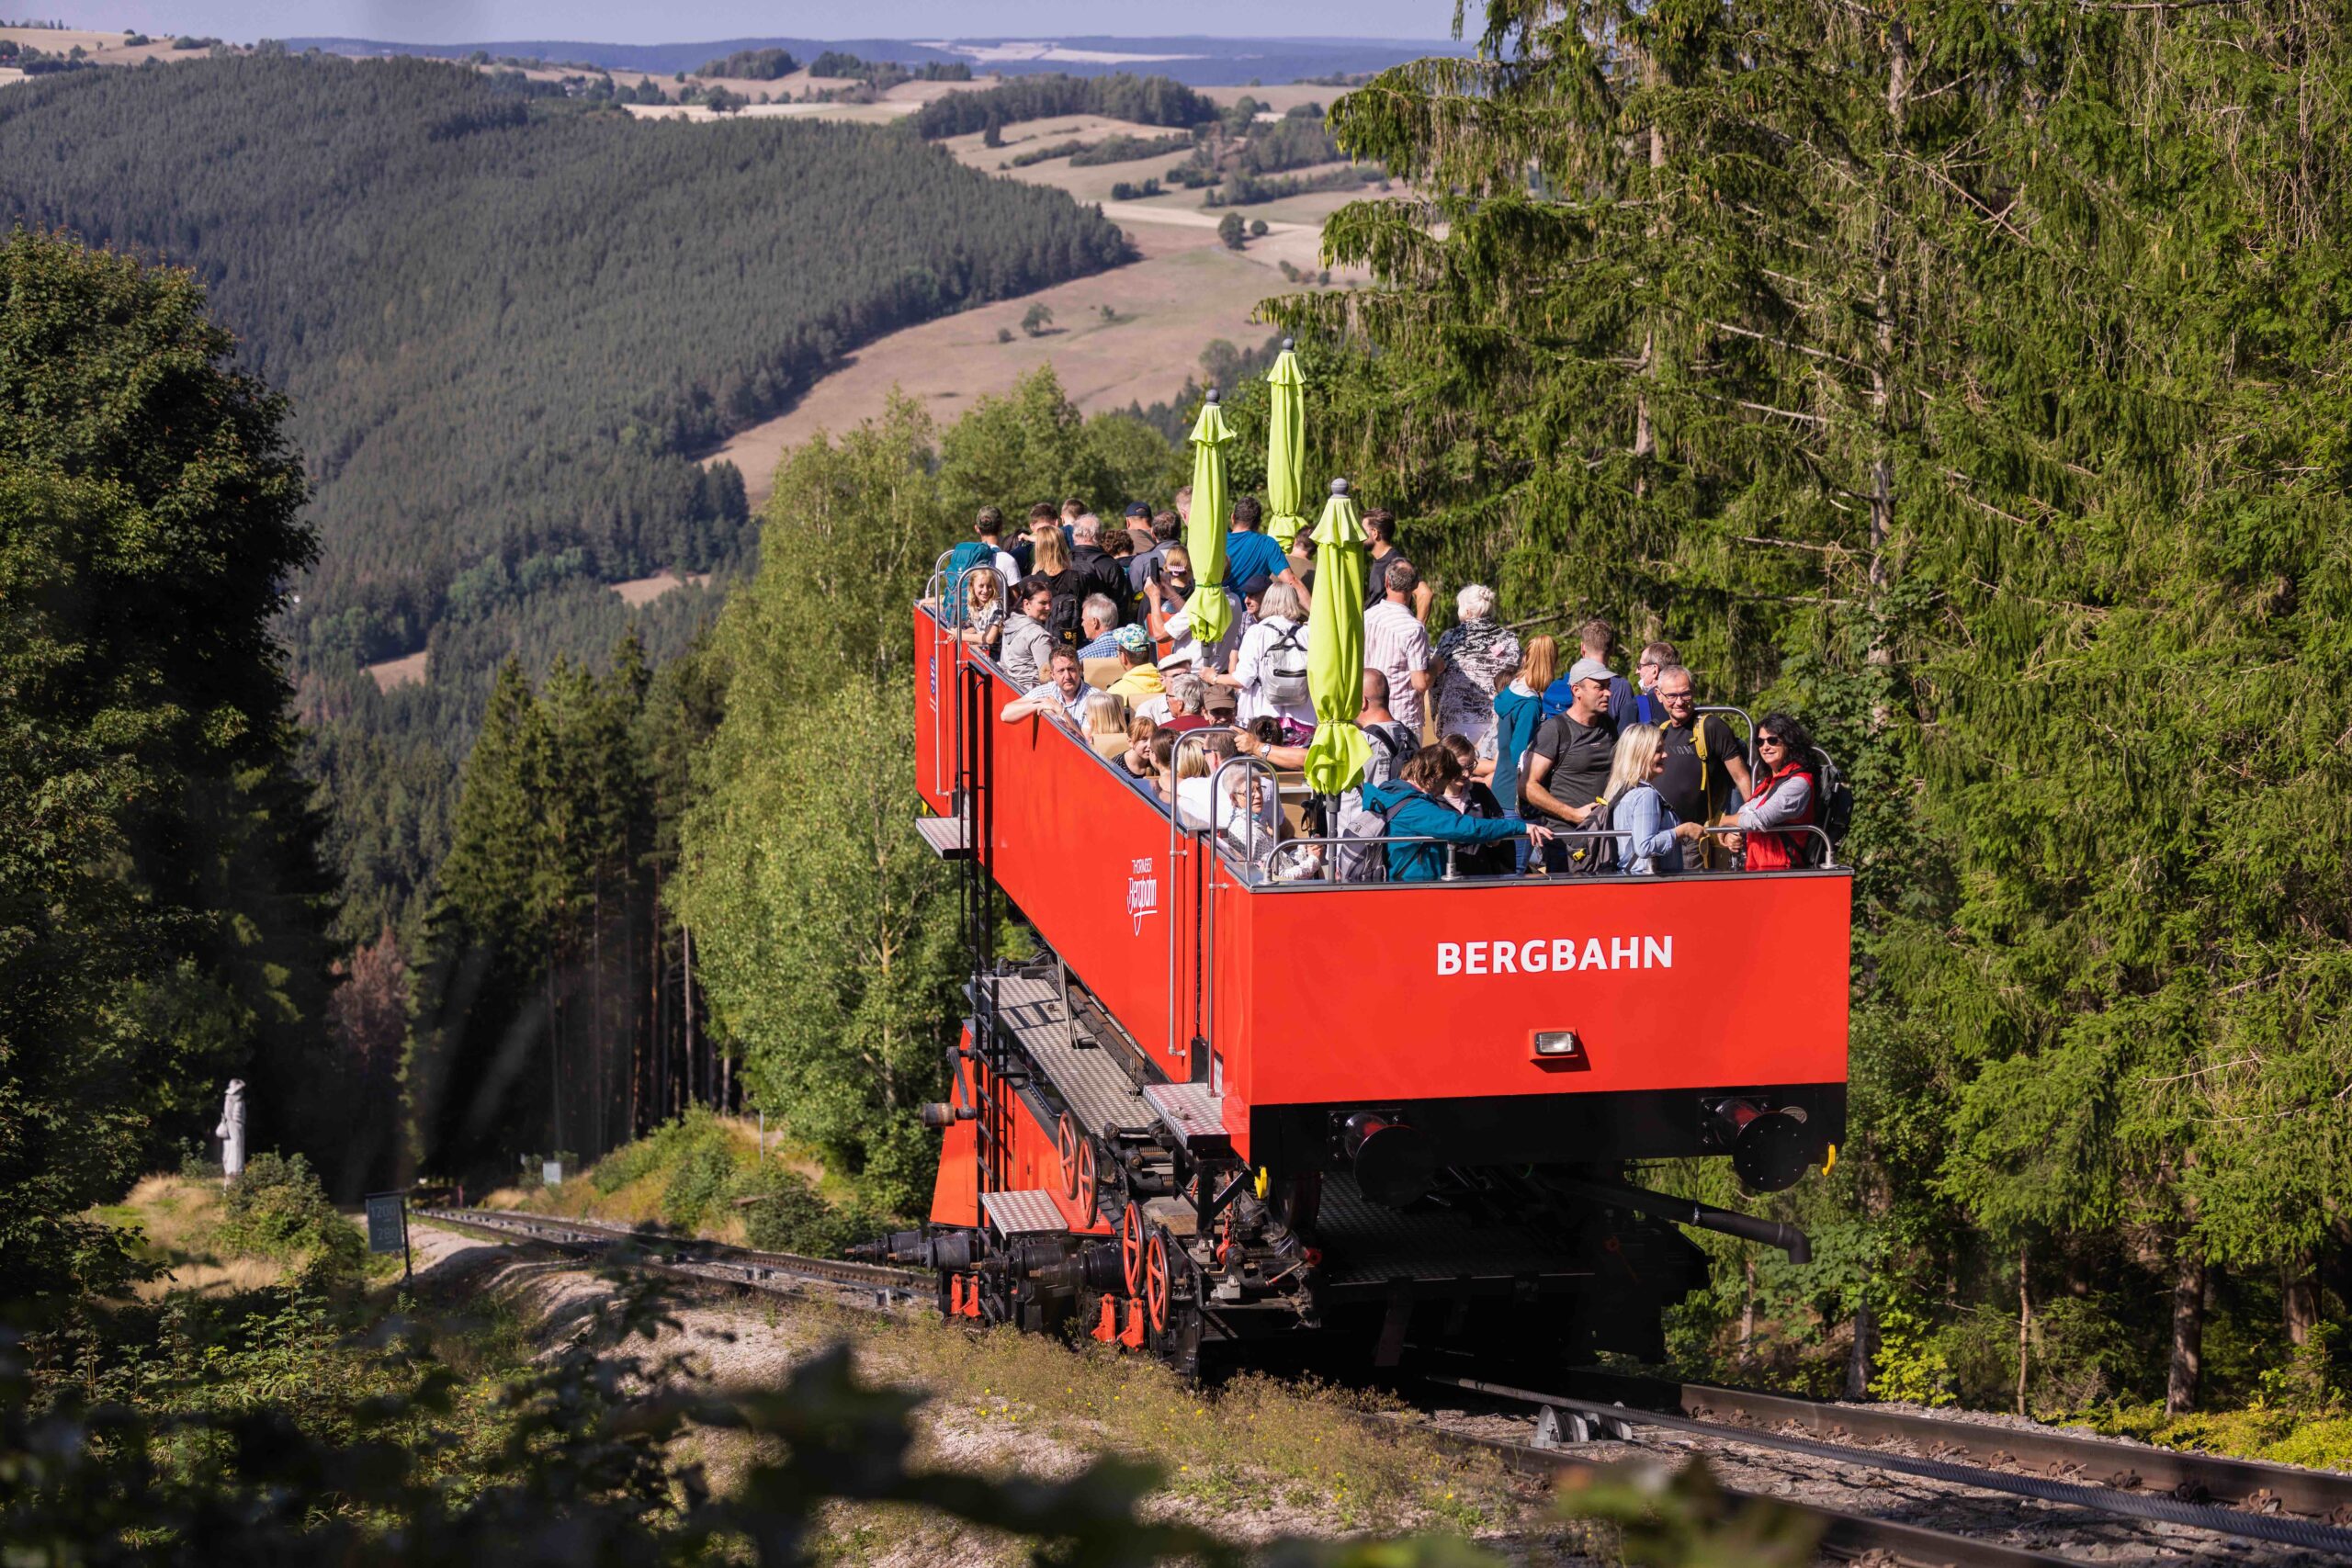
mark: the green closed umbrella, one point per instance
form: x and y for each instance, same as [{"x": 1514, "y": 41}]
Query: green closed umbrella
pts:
[
  {"x": 1286, "y": 448},
  {"x": 1211, "y": 611},
  {"x": 1336, "y": 759}
]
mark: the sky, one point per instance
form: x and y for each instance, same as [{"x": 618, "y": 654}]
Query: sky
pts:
[{"x": 634, "y": 21}]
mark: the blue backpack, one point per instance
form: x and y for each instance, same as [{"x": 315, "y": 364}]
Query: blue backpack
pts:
[{"x": 967, "y": 558}]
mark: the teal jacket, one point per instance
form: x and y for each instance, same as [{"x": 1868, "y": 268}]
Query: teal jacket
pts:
[
  {"x": 1412, "y": 815},
  {"x": 1516, "y": 718}
]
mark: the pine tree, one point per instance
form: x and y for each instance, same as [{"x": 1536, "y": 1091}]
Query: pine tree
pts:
[{"x": 1959, "y": 380}]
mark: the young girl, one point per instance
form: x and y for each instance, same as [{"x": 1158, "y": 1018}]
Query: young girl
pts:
[
  {"x": 1137, "y": 758},
  {"x": 984, "y": 619}
]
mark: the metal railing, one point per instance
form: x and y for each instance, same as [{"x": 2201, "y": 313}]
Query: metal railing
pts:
[
  {"x": 947, "y": 599},
  {"x": 1176, "y": 832}
]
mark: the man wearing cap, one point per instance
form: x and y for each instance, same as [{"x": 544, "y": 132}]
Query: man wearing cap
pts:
[
  {"x": 1568, "y": 765},
  {"x": 1138, "y": 520},
  {"x": 1139, "y": 680}
]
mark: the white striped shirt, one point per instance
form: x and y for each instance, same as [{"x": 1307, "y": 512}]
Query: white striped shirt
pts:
[{"x": 1398, "y": 645}]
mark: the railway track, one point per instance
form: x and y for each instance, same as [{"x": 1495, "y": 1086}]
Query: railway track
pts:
[
  {"x": 2275, "y": 1504},
  {"x": 1844, "y": 1536},
  {"x": 782, "y": 1272},
  {"x": 2120, "y": 1487},
  {"x": 2071, "y": 1456}
]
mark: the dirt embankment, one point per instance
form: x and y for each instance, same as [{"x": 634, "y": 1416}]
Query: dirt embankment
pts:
[{"x": 1255, "y": 1460}]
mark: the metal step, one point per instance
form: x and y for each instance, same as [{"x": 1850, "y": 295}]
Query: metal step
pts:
[
  {"x": 1028, "y": 1212},
  {"x": 1191, "y": 1113},
  {"x": 946, "y": 837}
]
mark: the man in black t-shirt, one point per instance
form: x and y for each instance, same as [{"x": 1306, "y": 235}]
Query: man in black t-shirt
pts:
[
  {"x": 1704, "y": 766},
  {"x": 1568, "y": 765}
]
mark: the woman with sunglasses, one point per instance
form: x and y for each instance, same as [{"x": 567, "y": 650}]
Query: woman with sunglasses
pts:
[{"x": 1783, "y": 797}]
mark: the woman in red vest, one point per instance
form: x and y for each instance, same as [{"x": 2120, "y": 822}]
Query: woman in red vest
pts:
[{"x": 1785, "y": 796}]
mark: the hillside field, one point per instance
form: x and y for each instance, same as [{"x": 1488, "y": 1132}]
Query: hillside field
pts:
[{"x": 1184, "y": 289}]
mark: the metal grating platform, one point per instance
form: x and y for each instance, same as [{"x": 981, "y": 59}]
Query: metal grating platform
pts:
[
  {"x": 1024, "y": 1212},
  {"x": 1370, "y": 1245},
  {"x": 1189, "y": 1110},
  {"x": 1090, "y": 1080},
  {"x": 946, "y": 837}
]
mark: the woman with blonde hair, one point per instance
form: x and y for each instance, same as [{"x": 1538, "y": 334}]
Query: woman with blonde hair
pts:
[
  {"x": 1649, "y": 838},
  {"x": 1106, "y": 725},
  {"x": 1518, "y": 709},
  {"x": 1050, "y": 561}
]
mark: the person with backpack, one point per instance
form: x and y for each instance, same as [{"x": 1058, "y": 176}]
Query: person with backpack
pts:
[
  {"x": 1413, "y": 807},
  {"x": 1649, "y": 836},
  {"x": 1393, "y": 743},
  {"x": 1567, "y": 767},
  {"x": 968, "y": 561},
  {"x": 1051, "y": 559},
  {"x": 1270, "y": 667},
  {"x": 1705, "y": 771},
  {"x": 1787, "y": 787},
  {"x": 1518, "y": 711}
]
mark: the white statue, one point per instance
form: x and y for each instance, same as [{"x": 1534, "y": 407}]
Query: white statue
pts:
[{"x": 231, "y": 1131}]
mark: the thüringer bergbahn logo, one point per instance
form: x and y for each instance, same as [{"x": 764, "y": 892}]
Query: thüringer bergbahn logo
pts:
[
  {"x": 1143, "y": 891},
  {"x": 1554, "y": 955}
]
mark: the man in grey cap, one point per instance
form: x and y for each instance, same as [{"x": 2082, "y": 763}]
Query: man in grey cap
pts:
[{"x": 1567, "y": 767}]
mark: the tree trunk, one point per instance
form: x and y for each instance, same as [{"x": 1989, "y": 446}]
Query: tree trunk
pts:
[
  {"x": 2188, "y": 1328},
  {"x": 1645, "y": 431},
  {"x": 1882, "y": 411},
  {"x": 686, "y": 942},
  {"x": 2299, "y": 1300},
  {"x": 2025, "y": 1326},
  {"x": 1860, "y": 1360}
]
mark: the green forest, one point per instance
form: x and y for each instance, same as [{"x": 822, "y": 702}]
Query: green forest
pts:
[
  {"x": 1145, "y": 100},
  {"x": 1965, "y": 383},
  {"x": 1969, "y": 382},
  {"x": 508, "y": 326}
]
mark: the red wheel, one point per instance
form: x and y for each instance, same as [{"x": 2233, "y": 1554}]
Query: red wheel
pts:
[
  {"x": 1066, "y": 1147},
  {"x": 1131, "y": 1247},
  {"x": 1090, "y": 1201},
  {"x": 1155, "y": 1284}
]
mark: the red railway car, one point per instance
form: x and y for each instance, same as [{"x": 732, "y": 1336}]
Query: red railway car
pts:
[{"x": 1173, "y": 1129}]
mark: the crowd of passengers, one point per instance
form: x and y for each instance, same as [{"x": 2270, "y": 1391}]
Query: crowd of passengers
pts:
[{"x": 1486, "y": 757}]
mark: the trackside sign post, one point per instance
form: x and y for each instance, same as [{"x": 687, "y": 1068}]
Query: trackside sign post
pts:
[{"x": 388, "y": 1227}]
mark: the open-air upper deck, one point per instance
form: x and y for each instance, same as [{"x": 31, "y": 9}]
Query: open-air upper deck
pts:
[{"x": 1281, "y": 992}]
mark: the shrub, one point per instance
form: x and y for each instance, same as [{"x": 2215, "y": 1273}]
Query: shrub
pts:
[
  {"x": 790, "y": 1216},
  {"x": 276, "y": 1208}
]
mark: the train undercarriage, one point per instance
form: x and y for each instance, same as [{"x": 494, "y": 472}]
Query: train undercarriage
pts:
[{"x": 1118, "y": 1211}]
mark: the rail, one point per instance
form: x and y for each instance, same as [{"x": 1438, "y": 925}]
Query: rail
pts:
[
  {"x": 1844, "y": 1536},
  {"x": 2307, "y": 1534},
  {"x": 2316, "y": 1493},
  {"x": 691, "y": 1254}
]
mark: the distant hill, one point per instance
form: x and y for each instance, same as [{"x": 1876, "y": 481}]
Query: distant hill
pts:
[
  {"x": 508, "y": 326},
  {"x": 1195, "y": 61}
]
